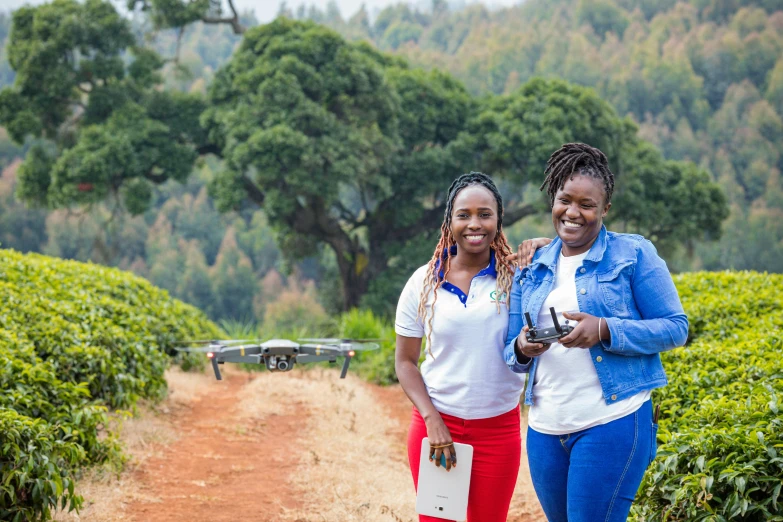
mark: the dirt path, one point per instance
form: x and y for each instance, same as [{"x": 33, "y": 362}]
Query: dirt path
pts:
[
  {"x": 301, "y": 447},
  {"x": 219, "y": 468}
]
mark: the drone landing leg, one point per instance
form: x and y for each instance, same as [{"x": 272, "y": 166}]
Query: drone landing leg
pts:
[
  {"x": 345, "y": 366},
  {"x": 216, "y": 368}
]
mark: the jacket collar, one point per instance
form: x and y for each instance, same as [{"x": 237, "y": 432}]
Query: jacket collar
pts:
[
  {"x": 551, "y": 253},
  {"x": 490, "y": 269}
]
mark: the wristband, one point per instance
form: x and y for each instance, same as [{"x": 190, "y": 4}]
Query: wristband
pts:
[{"x": 599, "y": 329}]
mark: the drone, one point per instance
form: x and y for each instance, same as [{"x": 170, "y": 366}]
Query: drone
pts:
[{"x": 278, "y": 355}]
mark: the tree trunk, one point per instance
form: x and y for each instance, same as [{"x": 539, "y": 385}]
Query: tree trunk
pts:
[{"x": 353, "y": 276}]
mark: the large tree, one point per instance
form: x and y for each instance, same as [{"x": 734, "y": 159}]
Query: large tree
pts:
[{"x": 342, "y": 146}]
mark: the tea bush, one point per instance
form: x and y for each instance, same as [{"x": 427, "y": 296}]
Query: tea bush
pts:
[
  {"x": 720, "y": 453},
  {"x": 75, "y": 340}
]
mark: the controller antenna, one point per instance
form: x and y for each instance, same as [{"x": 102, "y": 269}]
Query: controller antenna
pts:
[{"x": 554, "y": 319}]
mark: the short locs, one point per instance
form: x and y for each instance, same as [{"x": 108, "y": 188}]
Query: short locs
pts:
[
  {"x": 441, "y": 261},
  {"x": 577, "y": 158}
]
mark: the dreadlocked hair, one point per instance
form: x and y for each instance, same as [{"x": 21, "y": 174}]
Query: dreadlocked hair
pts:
[
  {"x": 441, "y": 260},
  {"x": 576, "y": 158}
]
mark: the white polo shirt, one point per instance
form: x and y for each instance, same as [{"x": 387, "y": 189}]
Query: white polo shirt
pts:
[{"x": 466, "y": 375}]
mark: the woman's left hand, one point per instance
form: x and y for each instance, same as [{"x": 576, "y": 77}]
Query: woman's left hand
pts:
[{"x": 585, "y": 334}]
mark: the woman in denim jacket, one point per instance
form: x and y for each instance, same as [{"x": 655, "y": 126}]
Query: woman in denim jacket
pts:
[{"x": 591, "y": 431}]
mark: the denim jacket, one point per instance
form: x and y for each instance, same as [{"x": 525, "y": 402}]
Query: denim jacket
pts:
[{"x": 623, "y": 280}]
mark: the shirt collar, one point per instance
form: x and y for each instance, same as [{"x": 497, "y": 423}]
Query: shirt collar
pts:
[
  {"x": 490, "y": 269},
  {"x": 551, "y": 253}
]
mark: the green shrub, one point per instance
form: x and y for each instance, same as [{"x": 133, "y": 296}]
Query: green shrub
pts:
[
  {"x": 720, "y": 453},
  {"x": 75, "y": 340},
  {"x": 97, "y": 325},
  {"x": 724, "y": 304},
  {"x": 34, "y": 391},
  {"x": 34, "y": 463}
]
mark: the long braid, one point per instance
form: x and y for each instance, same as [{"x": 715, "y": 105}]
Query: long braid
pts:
[
  {"x": 442, "y": 261},
  {"x": 504, "y": 269},
  {"x": 577, "y": 158}
]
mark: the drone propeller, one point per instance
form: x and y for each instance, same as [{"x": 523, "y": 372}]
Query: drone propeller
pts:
[
  {"x": 355, "y": 344},
  {"x": 363, "y": 346},
  {"x": 221, "y": 342},
  {"x": 201, "y": 349},
  {"x": 343, "y": 348},
  {"x": 209, "y": 346}
]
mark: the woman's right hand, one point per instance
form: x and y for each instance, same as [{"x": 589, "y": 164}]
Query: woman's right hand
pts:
[
  {"x": 527, "y": 249},
  {"x": 526, "y": 350},
  {"x": 438, "y": 435}
]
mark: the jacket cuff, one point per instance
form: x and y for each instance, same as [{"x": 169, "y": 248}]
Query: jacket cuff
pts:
[
  {"x": 617, "y": 342},
  {"x": 513, "y": 362}
]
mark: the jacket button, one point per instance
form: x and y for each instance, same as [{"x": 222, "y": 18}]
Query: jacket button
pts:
[
  {"x": 614, "y": 397},
  {"x": 582, "y": 270},
  {"x": 599, "y": 359},
  {"x": 583, "y": 291}
]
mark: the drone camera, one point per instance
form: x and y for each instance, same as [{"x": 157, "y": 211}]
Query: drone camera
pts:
[{"x": 277, "y": 363}]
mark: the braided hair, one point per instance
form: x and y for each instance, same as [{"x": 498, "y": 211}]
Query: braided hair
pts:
[
  {"x": 576, "y": 158},
  {"x": 441, "y": 260}
]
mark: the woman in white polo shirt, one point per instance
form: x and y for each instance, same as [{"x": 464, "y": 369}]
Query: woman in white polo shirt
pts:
[{"x": 464, "y": 391}]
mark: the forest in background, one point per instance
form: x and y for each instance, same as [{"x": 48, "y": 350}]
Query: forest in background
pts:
[{"x": 703, "y": 79}]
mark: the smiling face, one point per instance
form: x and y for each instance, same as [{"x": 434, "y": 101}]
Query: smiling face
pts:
[
  {"x": 474, "y": 219},
  {"x": 578, "y": 212}
]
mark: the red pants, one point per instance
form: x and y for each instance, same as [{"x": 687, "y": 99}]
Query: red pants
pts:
[{"x": 497, "y": 448}]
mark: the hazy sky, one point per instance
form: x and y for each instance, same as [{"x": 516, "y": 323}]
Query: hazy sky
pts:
[{"x": 266, "y": 10}]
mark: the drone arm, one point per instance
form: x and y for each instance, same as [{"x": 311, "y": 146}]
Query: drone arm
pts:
[
  {"x": 320, "y": 350},
  {"x": 243, "y": 350},
  {"x": 254, "y": 359}
]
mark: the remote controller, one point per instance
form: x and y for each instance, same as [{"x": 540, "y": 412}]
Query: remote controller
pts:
[{"x": 547, "y": 335}]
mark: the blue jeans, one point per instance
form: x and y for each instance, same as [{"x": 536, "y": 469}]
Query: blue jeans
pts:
[{"x": 592, "y": 475}]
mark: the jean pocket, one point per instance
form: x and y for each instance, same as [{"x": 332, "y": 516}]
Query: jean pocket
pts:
[{"x": 653, "y": 442}]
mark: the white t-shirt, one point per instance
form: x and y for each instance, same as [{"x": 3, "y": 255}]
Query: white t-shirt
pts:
[
  {"x": 567, "y": 395},
  {"x": 466, "y": 375}
]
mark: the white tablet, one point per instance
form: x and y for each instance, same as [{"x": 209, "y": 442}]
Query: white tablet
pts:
[{"x": 444, "y": 494}]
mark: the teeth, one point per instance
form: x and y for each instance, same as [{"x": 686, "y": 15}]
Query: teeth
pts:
[
  {"x": 475, "y": 238},
  {"x": 571, "y": 224}
]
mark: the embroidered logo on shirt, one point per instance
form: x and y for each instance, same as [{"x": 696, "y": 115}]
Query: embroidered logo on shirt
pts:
[{"x": 494, "y": 296}]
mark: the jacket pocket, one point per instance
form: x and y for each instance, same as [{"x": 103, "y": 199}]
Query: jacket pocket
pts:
[{"x": 615, "y": 288}]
